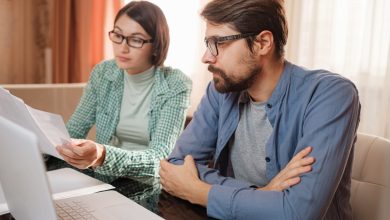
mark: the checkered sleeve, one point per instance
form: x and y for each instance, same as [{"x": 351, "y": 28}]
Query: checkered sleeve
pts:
[
  {"x": 84, "y": 116},
  {"x": 164, "y": 132}
]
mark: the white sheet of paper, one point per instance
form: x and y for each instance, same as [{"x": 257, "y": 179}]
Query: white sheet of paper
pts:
[
  {"x": 49, "y": 128},
  {"x": 52, "y": 126},
  {"x": 66, "y": 183}
]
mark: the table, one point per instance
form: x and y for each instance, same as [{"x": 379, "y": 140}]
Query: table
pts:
[{"x": 147, "y": 192}]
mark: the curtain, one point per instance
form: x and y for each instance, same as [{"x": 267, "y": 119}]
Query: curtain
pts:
[
  {"x": 24, "y": 28},
  {"x": 78, "y": 37},
  {"x": 352, "y": 38},
  {"x": 186, "y": 43}
]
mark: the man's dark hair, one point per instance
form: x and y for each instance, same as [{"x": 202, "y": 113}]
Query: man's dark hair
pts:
[
  {"x": 251, "y": 16},
  {"x": 153, "y": 21}
]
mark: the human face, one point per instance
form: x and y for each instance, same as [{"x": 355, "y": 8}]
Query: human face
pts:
[
  {"x": 235, "y": 67},
  {"x": 133, "y": 60}
]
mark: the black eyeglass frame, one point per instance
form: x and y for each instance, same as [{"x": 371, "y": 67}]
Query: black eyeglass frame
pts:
[
  {"x": 209, "y": 40},
  {"x": 127, "y": 38}
]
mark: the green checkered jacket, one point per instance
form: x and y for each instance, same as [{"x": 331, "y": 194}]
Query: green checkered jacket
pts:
[{"x": 100, "y": 105}]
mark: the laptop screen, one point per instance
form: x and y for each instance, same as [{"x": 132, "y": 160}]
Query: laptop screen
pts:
[{"x": 22, "y": 174}]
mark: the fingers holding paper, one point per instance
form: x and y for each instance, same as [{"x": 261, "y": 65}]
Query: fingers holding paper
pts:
[{"x": 82, "y": 153}]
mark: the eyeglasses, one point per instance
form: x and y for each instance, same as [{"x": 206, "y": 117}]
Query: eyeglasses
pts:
[
  {"x": 212, "y": 42},
  {"x": 134, "y": 42}
]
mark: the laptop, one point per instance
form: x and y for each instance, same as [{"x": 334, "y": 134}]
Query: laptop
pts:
[{"x": 26, "y": 188}]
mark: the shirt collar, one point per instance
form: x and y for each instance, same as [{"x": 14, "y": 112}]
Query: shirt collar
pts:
[
  {"x": 244, "y": 97},
  {"x": 282, "y": 85}
]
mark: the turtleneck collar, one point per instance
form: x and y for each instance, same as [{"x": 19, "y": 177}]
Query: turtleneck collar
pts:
[{"x": 142, "y": 77}]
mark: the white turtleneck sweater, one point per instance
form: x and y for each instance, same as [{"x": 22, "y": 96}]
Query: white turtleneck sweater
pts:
[{"x": 132, "y": 130}]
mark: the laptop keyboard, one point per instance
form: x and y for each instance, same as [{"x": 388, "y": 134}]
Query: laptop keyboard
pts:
[{"x": 69, "y": 210}]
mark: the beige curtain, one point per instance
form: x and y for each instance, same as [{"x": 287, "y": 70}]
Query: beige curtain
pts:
[
  {"x": 24, "y": 38},
  {"x": 201, "y": 76},
  {"x": 78, "y": 38},
  {"x": 352, "y": 38}
]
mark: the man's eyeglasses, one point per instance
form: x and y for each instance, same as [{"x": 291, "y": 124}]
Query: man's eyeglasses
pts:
[
  {"x": 135, "y": 42},
  {"x": 212, "y": 42}
]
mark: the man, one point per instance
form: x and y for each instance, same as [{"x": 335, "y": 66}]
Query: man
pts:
[{"x": 260, "y": 111}]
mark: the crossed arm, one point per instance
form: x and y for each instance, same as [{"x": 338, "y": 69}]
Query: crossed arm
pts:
[{"x": 183, "y": 181}]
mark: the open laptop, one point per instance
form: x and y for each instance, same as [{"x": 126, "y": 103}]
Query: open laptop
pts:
[{"x": 26, "y": 189}]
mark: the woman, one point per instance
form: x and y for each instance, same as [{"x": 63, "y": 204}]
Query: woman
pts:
[{"x": 137, "y": 104}]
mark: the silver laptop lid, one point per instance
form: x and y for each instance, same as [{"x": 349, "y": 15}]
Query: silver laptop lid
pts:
[{"x": 22, "y": 174}]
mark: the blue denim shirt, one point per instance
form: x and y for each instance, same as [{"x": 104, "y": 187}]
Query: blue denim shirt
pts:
[{"x": 307, "y": 108}]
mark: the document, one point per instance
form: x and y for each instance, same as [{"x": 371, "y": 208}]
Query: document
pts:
[
  {"x": 49, "y": 128},
  {"x": 66, "y": 183}
]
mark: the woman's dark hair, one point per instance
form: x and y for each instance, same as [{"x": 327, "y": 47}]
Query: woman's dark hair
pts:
[
  {"x": 153, "y": 21},
  {"x": 251, "y": 16}
]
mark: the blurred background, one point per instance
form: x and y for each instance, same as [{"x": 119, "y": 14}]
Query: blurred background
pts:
[{"x": 59, "y": 42}]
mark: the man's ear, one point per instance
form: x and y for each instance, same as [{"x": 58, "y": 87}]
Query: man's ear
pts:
[{"x": 264, "y": 43}]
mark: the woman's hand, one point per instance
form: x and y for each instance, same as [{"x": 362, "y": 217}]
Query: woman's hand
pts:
[
  {"x": 83, "y": 153},
  {"x": 290, "y": 175}
]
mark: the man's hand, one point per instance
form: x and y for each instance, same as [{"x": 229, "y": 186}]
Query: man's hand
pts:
[
  {"x": 290, "y": 175},
  {"x": 83, "y": 153},
  {"x": 183, "y": 181}
]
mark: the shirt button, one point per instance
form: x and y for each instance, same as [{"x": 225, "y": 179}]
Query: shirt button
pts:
[
  {"x": 269, "y": 105},
  {"x": 267, "y": 159}
]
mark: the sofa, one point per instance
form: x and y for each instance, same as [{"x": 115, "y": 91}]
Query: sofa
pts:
[{"x": 370, "y": 193}]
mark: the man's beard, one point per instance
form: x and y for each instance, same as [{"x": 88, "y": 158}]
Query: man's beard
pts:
[{"x": 227, "y": 84}]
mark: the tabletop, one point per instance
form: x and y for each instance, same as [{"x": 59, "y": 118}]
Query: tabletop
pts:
[{"x": 147, "y": 192}]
